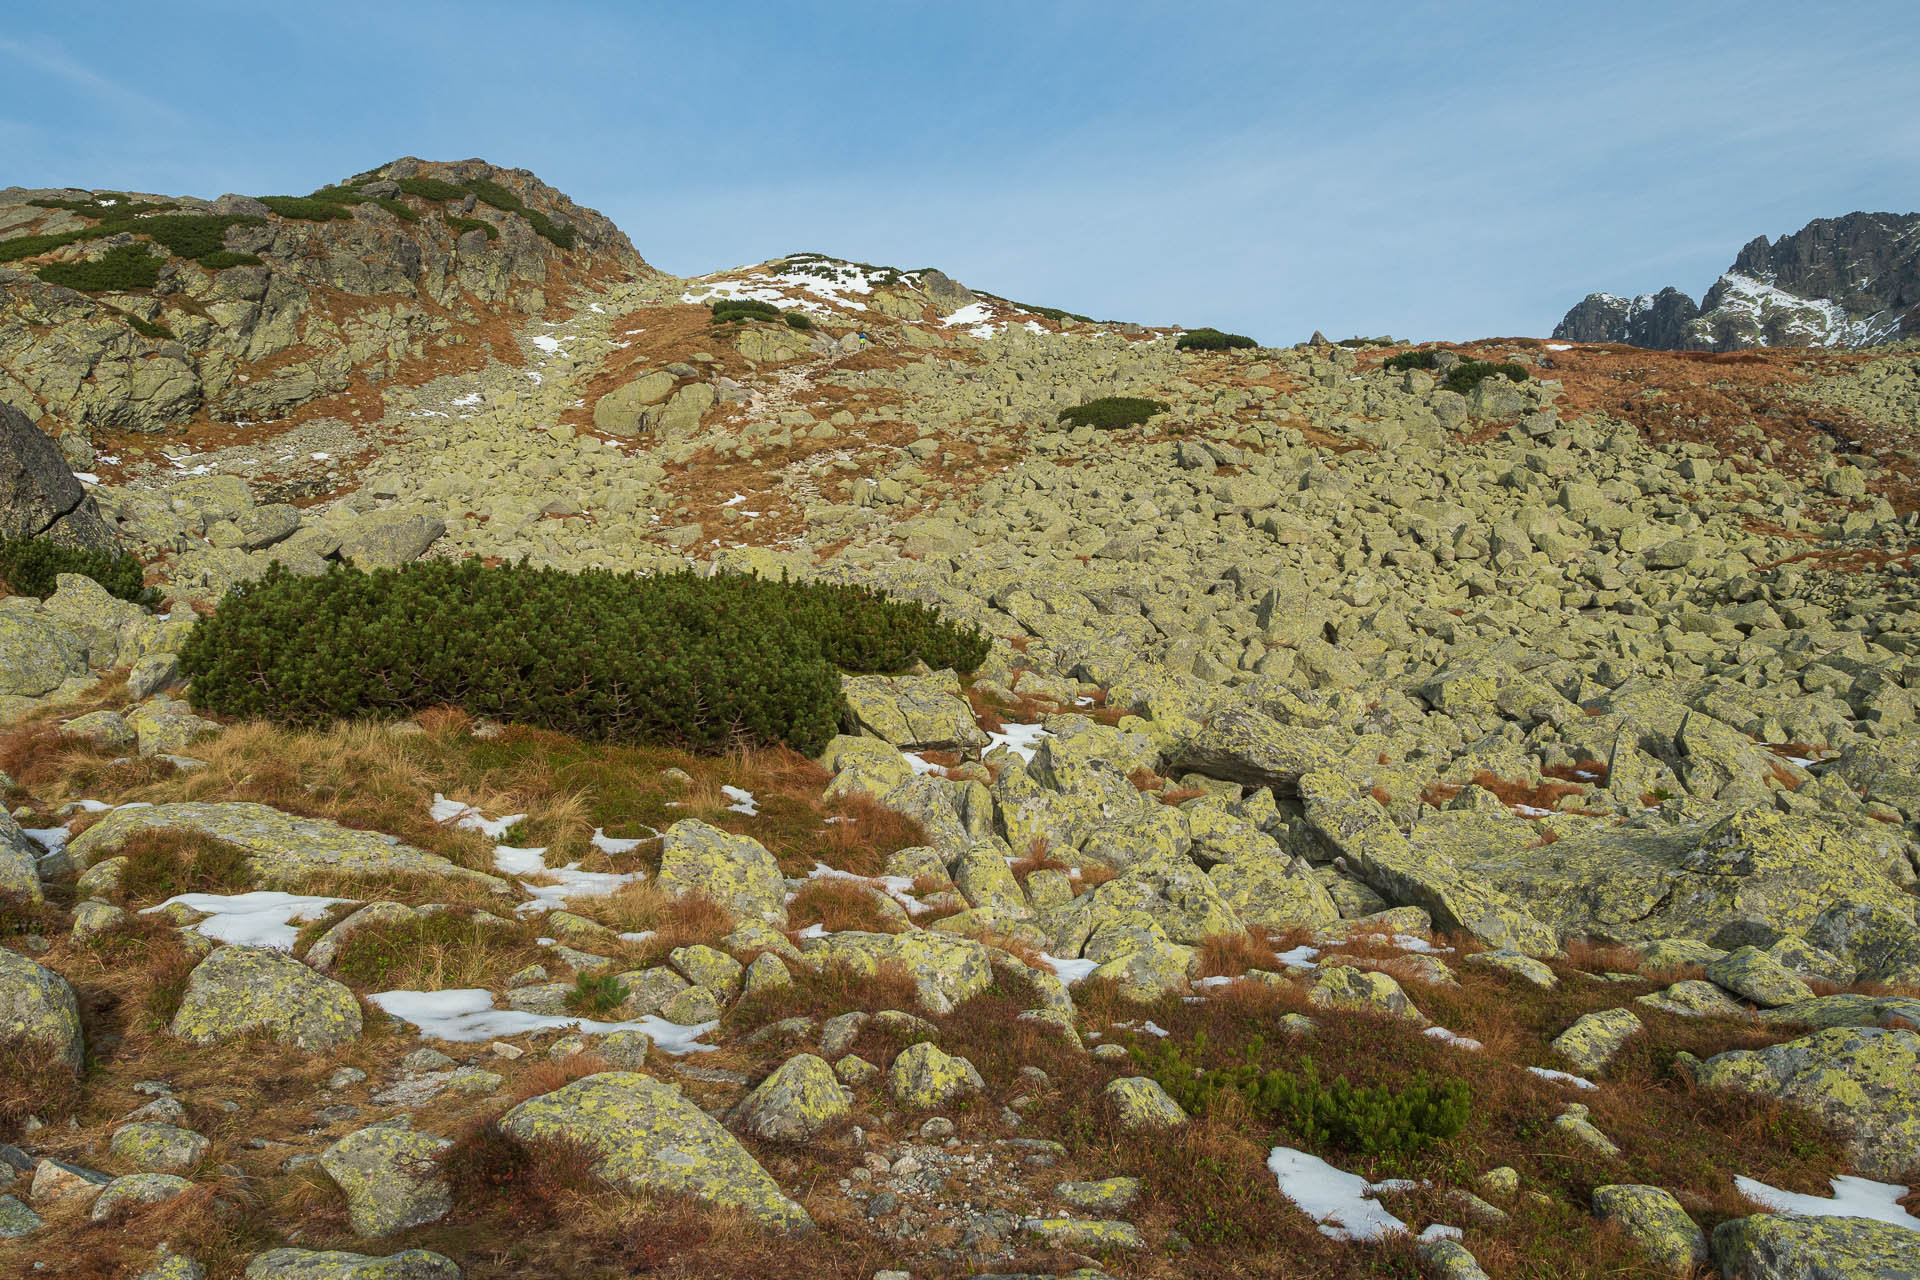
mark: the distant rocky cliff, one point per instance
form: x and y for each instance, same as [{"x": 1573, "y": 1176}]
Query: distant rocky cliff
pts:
[
  {"x": 130, "y": 312},
  {"x": 1837, "y": 282}
]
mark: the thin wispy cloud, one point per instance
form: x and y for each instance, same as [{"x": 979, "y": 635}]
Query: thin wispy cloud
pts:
[{"x": 129, "y": 105}]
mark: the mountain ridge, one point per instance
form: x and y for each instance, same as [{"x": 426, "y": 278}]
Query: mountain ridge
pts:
[{"x": 1852, "y": 281}]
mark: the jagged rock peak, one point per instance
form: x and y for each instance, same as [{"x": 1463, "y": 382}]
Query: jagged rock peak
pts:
[{"x": 1837, "y": 282}]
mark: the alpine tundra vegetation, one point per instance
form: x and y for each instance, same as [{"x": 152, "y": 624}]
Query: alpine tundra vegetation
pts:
[{"x": 516, "y": 763}]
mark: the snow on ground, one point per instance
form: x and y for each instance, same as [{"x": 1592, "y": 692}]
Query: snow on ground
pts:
[
  {"x": 52, "y": 839},
  {"x": 1335, "y": 1199},
  {"x": 259, "y": 919},
  {"x": 971, "y": 314},
  {"x": 468, "y": 1015},
  {"x": 1852, "y": 1198},
  {"x": 1301, "y": 957},
  {"x": 468, "y": 818},
  {"x": 1069, "y": 971},
  {"x": 1457, "y": 1041},
  {"x": 1563, "y": 1077},
  {"x": 1021, "y": 739},
  {"x": 837, "y": 281},
  {"x": 919, "y": 764},
  {"x": 611, "y": 844},
  {"x": 551, "y": 345},
  {"x": 1559, "y": 346},
  {"x": 899, "y": 888},
  {"x": 743, "y": 801}
]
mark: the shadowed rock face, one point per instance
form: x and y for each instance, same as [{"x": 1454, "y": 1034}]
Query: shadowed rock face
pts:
[
  {"x": 1837, "y": 282},
  {"x": 39, "y": 496}
]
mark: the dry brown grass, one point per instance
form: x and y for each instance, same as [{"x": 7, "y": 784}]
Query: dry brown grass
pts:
[
  {"x": 839, "y": 905},
  {"x": 674, "y": 921}
]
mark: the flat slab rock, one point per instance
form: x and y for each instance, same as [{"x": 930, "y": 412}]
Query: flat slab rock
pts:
[{"x": 281, "y": 848}]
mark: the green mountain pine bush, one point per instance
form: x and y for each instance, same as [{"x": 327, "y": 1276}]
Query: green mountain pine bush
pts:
[
  {"x": 32, "y": 566},
  {"x": 674, "y": 659},
  {"x": 1110, "y": 413},
  {"x": 1213, "y": 340}
]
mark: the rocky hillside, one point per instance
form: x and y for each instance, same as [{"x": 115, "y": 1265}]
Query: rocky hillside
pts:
[
  {"x": 1442, "y": 810},
  {"x": 1837, "y": 282},
  {"x": 122, "y": 311}
]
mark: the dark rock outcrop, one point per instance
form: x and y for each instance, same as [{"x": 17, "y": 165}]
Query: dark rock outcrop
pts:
[
  {"x": 1837, "y": 282},
  {"x": 1657, "y": 320},
  {"x": 39, "y": 496}
]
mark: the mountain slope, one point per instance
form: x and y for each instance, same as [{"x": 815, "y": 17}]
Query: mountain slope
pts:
[
  {"x": 132, "y": 312},
  {"x": 1837, "y": 282}
]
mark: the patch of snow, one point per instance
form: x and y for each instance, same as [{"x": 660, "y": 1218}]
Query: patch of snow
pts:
[
  {"x": 611, "y": 844},
  {"x": 1531, "y": 811},
  {"x": 1335, "y": 1199},
  {"x": 471, "y": 398},
  {"x": 735, "y": 500},
  {"x": 1852, "y": 1198},
  {"x": 1439, "y": 1231},
  {"x": 1069, "y": 971},
  {"x": 320, "y": 457},
  {"x": 468, "y": 818},
  {"x": 1021, "y": 739},
  {"x": 551, "y": 345},
  {"x": 639, "y": 935},
  {"x": 971, "y": 314},
  {"x": 596, "y": 308},
  {"x": 86, "y": 477},
  {"x": 52, "y": 839},
  {"x": 1559, "y": 346},
  {"x": 1458, "y": 1042},
  {"x": 468, "y": 1015},
  {"x": 259, "y": 919},
  {"x": 743, "y": 801},
  {"x": 813, "y": 931},
  {"x": 1563, "y": 1077},
  {"x": 1301, "y": 957},
  {"x": 536, "y": 377},
  {"x": 919, "y": 764}
]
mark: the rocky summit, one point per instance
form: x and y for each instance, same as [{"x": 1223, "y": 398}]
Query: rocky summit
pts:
[{"x": 519, "y": 764}]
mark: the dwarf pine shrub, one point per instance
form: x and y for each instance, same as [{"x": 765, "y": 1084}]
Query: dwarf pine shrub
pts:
[
  {"x": 1364, "y": 1120},
  {"x": 127, "y": 266},
  {"x": 1468, "y": 374},
  {"x": 1213, "y": 340},
  {"x": 306, "y": 208},
  {"x": 32, "y": 566},
  {"x": 463, "y": 225},
  {"x": 729, "y": 310},
  {"x": 671, "y": 659},
  {"x": 798, "y": 320},
  {"x": 432, "y": 188},
  {"x": 1110, "y": 413},
  {"x": 1422, "y": 359}
]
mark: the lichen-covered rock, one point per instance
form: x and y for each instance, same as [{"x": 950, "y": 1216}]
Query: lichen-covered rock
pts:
[
  {"x": 388, "y": 539},
  {"x": 1141, "y": 1104},
  {"x": 800, "y": 1099},
  {"x": 1084, "y": 1235},
  {"x": 1575, "y": 1122},
  {"x": 648, "y": 1138},
  {"x": 1657, "y": 1223},
  {"x": 17, "y": 1220},
  {"x": 326, "y": 948},
  {"x": 1339, "y": 986},
  {"x": 922, "y": 1078},
  {"x": 38, "y": 1005},
  {"x": 1752, "y": 973},
  {"x": 333, "y": 1264},
  {"x": 1243, "y": 745},
  {"x": 1268, "y": 888},
  {"x": 704, "y": 966},
  {"x": 733, "y": 871},
  {"x": 1880, "y": 940},
  {"x": 1442, "y": 1258},
  {"x": 135, "y": 1190},
  {"x": 388, "y": 1176},
  {"x": 768, "y": 972},
  {"x": 19, "y": 861},
  {"x": 165, "y": 728},
  {"x": 1784, "y": 1246},
  {"x": 237, "y": 989},
  {"x": 1107, "y": 1195},
  {"x": 1847, "y": 1010},
  {"x": 1863, "y": 1081},
  {"x": 1693, "y": 998},
  {"x": 945, "y": 970},
  {"x": 105, "y": 729},
  {"x": 156, "y": 1147},
  {"x": 281, "y": 849},
  {"x": 914, "y": 713},
  {"x": 985, "y": 880},
  {"x": 39, "y": 496},
  {"x": 1594, "y": 1038},
  {"x": 1523, "y": 967},
  {"x": 37, "y": 653}
]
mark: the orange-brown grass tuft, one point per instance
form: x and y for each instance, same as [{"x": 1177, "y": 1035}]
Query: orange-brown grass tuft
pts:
[
  {"x": 841, "y": 904},
  {"x": 1228, "y": 955}
]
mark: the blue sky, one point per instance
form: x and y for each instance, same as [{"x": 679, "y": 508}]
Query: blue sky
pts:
[{"x": 1444, "y": 170}]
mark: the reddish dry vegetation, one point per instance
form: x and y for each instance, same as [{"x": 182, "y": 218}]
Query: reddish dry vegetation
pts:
[{"x": 1560, "y": 781}]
